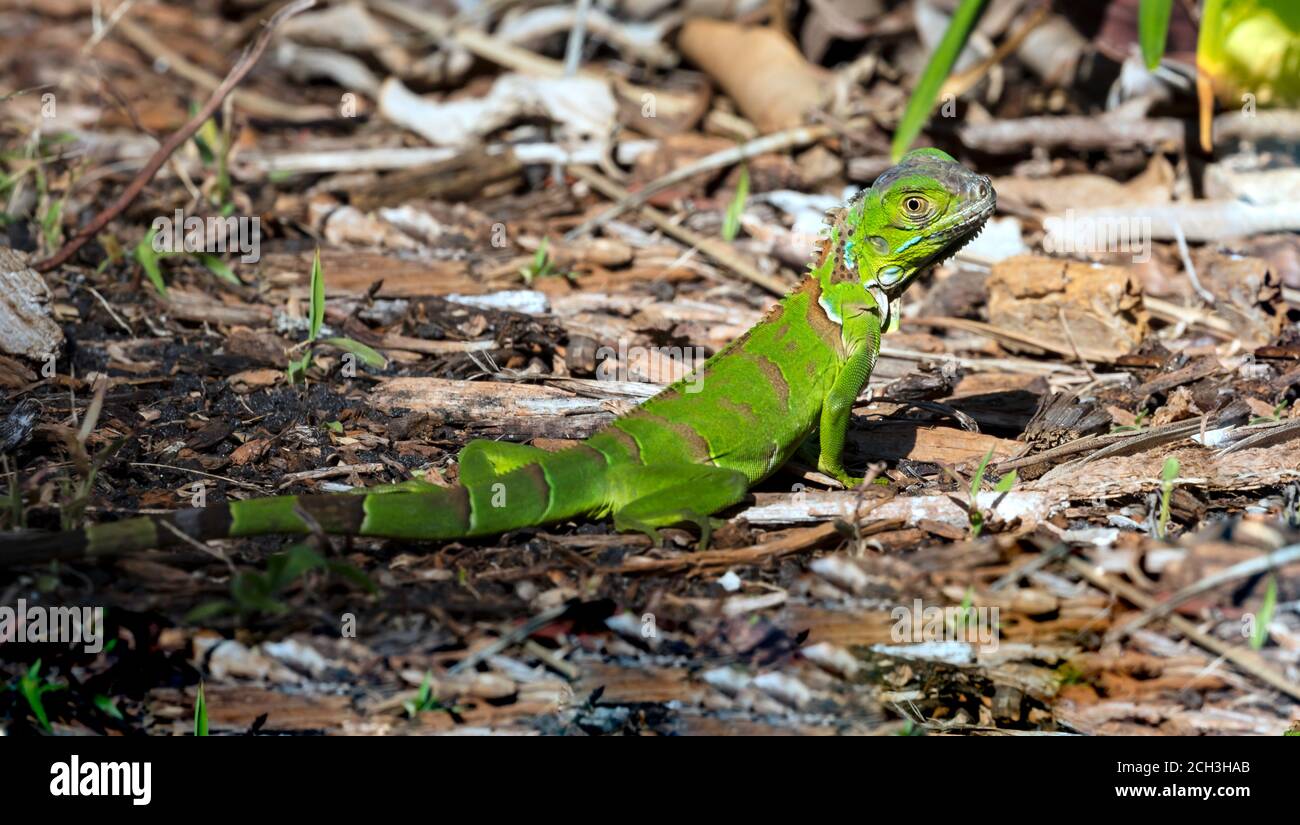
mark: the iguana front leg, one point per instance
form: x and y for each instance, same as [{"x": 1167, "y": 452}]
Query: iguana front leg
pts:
[{"x": 863, "y": 332}]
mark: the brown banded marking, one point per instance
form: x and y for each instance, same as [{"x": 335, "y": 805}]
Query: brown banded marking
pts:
[
  {"x": 444, "y": 513},
  {"x": 697, "y": 448},
  {"x": 827, "y": 328},
  {"x": 333, "y": 514},
  {"x": 537, "y": 477},
  {"x": 591, "y": 452},
  {"x": 623, "y": 439},
  {"x": 458, "y": 503},
  {"x": 740, "y": 408},
  {"x": 771, "y": 371}
]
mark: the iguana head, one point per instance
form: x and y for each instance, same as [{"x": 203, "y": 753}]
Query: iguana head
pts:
[{"x": 914, "y": 216}]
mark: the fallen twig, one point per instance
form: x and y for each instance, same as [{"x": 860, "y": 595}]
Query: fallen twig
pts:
[
  {"x": 777, "y": 142},
  {"x": 1247, "y": 660},
  {"x": 714, "y": 248},
  {"x": 174, "y": 141},
  {"x": 1241, "y": 570}
]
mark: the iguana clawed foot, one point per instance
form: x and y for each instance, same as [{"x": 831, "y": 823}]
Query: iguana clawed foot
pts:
[
  {"x": 706, "y": 524},
  {"x": 670, "y": 494}
]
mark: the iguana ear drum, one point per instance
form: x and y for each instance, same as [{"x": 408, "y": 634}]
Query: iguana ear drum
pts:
[{"x": 890, "y": 275}]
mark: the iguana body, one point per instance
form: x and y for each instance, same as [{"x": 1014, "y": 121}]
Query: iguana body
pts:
[{"x": 690, "y": 451}]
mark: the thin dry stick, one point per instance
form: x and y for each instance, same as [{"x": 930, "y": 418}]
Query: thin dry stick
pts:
[
  {"x": 1060, "y": 313},
  {"x": 142, "y": 178},
  {"x": 1186, "y": 255},
  {"x": 715, "y": 249},
  {"x": 250, "y": 101},
  {"x": 1247, "y": 660},
  {"x": 573, "y": 49},
  {"x": 962, "y": 82},
  {"x": 1241, "y": 570},
  {"x": 776, "y": 142}
]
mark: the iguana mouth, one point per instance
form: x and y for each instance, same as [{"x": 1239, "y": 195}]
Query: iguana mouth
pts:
[{"x": 963, "y": 226}]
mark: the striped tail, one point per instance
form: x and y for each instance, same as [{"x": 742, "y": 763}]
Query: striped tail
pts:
[{"x": 557, "y": 486}]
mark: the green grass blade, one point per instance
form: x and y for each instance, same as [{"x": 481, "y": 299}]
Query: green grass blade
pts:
[
  {"x": 145, "y": 255},
  {"x": 936, "y": 72},
  {"x": 1169, "y": 472},
  {"x": 1153, "y": 27},
  {"x": 200, "y": 713},
  {"x": 108, "y": 706},
  {"x": 1266, "y": 611},
  {"x": 219, "y": 268},
  {"x": 977, "y": 480},
  {"x": 731, "y": 222},
  {"x": 317, "y": 297},
  {"x": 367, "y": 355},
  {"x": 1005, "y": 483}
]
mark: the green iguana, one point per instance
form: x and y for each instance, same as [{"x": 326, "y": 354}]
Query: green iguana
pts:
[{"x": 682, "y": 455}]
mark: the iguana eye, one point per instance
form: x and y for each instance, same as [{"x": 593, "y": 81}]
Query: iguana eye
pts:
[{"x": 915, "y": 206}]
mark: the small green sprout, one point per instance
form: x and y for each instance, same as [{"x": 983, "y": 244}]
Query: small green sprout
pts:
[
  {"x": 253, "y": 592},
  {"x": 424, "y": 700},
  {"x": 731, "y": 221},
  {"x": 1260, "y": 633},
  {"x": 148, "y": 258},
  {"x": 200, "y": 713},
  {"x": 108, "y": 706},
  {"x": 1003, "y": 486},
  {"x": 1138, "y": 424},
  {"x": 542, "y": 265},
  {"x": 1168, "y": 475},
  {"x": 965, "y": 614},
  {"x": 315, "y": 320},
  {"x": 1275, "y": 416},
  {"x": 32, "y": 687}
]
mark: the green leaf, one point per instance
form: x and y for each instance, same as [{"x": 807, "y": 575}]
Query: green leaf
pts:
[
  {"x": 1005, "y": 483},
  {"x": 346, "y": 571},
  {"x": 148, "y": 259},
  {"x": 253, "y": 593},
  {"x": 200, "y": 713},
  {"x": 367, "y": 355},
  {"x": 291, "y": 564},
  {"x": 977, "y": 480},
  {"x": 1153, "y": 27},
  {"x": 209, "y": 610},
  {"x": 108, "y": 706},
  {"x": 219, "y": 268},
  {"x": 298, "y": 366},
  {"x": 317, "y": 298},
  {"x": 32, "y": 688},
  {"x": 424, "y": 699},
  {"x": 1169, "y": 472},
  {"x": 936, "y": 71},
  {"x": 731, "y": 222},
  {"x": 52, "y": 223},
  {"x": 1265, "y": 616},
  {"x": 206, "y": 139}
]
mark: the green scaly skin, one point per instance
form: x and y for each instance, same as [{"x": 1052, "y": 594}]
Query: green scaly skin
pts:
[{"x": 692, "y": 450}]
